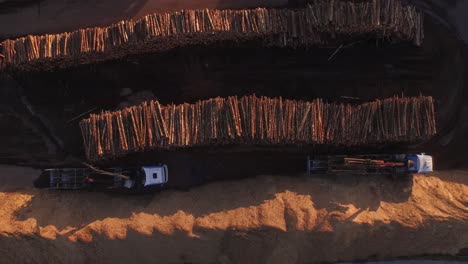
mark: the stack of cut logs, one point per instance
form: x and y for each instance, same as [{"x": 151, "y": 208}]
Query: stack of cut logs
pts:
[
  {"x": 283, "y": 27},
  {"x": 257, "y": 121}
]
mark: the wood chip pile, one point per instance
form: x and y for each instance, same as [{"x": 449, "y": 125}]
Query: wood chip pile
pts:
[
  {"x": 257, "y": 121},
  {"x": 281, "y": 27}
]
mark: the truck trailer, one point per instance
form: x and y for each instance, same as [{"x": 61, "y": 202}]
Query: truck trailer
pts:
[
  {"x": 118, "y": 178},
  {"x": 395, "y": 165}
]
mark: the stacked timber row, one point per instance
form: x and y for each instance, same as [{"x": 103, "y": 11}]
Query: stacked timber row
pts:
[
  {"x": 283, "y": 27},
  {"x": 257, "y": 121}
]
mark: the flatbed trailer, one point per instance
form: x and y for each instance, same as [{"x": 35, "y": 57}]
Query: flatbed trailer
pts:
[
  {"x": 68, "y": 178},
  {"x": 134, "y": 178}
]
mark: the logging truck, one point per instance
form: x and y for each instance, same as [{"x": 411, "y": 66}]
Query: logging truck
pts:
[
  {"x": 391, "y": 165},
  {"x": 132, "y": 178}
]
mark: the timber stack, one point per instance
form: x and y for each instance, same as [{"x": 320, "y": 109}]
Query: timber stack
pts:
[
  {"x": 257, "y": 121},
  {"x": 321, "y": 21}
]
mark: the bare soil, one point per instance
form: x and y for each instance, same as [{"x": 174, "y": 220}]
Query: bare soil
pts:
[{"x": 265, "y": 219}]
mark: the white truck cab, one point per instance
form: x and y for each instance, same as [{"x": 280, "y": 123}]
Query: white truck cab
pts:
[
  {"x": 420, "y": 163},
  {"x": 150, "y": 176},
  {"x": 155, "y": 175}
]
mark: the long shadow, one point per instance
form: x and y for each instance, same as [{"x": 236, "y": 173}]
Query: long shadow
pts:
[
  {"x": 459, "y": 176},
  {"x": 17, "y": 179},
  {"x": 348, "y": 241},
  {"x": 49, "y": 17},
  {"x": 63, "y": 209}
]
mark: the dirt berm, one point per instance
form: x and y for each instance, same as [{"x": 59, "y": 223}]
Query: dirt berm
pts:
[{"x": 266, "y": 219}]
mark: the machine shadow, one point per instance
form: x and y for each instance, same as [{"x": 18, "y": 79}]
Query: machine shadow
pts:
[{"x": 80, "y": 208}]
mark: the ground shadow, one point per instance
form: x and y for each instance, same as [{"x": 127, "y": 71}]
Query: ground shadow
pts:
[
  {"x": 351, "y": 241},
  {"x": 79, "y": 208}
]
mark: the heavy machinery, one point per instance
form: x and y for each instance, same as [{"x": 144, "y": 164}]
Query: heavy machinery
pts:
[
  {"x": 132, "y": 178},
  {"x": 391, "y": 165}
]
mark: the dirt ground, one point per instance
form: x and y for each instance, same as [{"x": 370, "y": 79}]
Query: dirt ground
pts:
[{"x": 265, "y": 219}]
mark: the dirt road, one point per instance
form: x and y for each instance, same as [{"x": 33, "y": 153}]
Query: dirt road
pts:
[{"x": 266, "y": 219}]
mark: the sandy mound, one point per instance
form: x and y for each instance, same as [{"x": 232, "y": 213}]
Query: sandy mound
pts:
[{"x": 260, "y": 220}]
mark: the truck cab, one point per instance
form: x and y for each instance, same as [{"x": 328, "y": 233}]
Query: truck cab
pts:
[
  {"x": 147, "y": 176},
  {"x": 419, "y": 163}
]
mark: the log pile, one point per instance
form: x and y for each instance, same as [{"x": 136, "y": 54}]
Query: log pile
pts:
[
  {"x": 280, "y": 27},
  {"x": 257, "y": 121}
]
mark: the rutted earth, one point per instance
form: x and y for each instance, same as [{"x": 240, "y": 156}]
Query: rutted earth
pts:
[{"x": 266, "y": 219}]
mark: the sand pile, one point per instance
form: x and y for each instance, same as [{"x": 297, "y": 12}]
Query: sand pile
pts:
[{"x": 267, "y": 219}]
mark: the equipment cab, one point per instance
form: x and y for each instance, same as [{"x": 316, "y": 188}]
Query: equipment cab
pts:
[
  {"x": 148, "y": 176},
  {"x": 419, "y": 163}
]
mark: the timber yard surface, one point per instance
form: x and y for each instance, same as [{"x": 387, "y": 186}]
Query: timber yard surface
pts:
[{"x": 233, "y": 96}]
